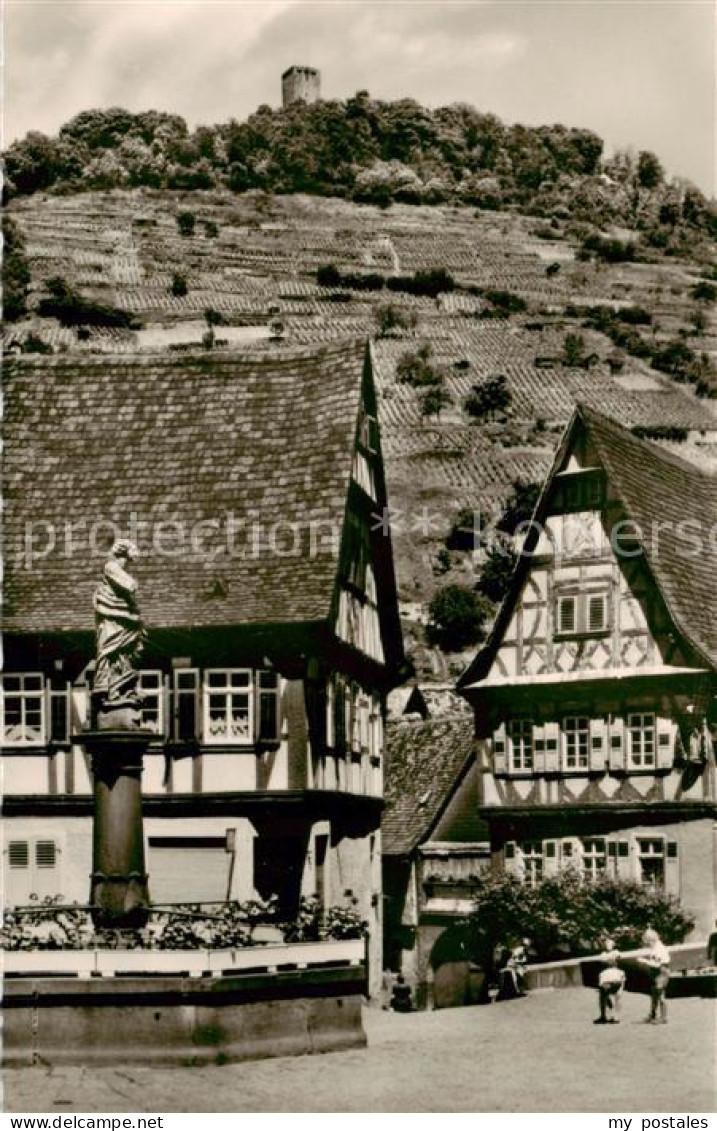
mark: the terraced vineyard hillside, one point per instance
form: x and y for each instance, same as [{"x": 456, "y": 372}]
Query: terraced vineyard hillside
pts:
[{"x": 253, "y": 260}]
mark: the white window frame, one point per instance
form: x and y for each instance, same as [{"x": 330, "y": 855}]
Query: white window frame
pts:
[
  {"x": 581, "y": 606},
  {"x": 649, "y": 849},
  {"x": 521, "y": 745},
  {"x": 151, "y": 685},
  {"x": 576, "y": 742},
  {"x": 24, "y": 739},
  {"x": 641, "y": 740},
  {"x": 594, "y": 857},
  {"x": 533, "y": 862},
  {"x": 226, "y": 689}
]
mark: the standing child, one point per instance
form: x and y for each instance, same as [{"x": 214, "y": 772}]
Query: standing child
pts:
[
  {"x": 657, "y": 961},
  {"x": 611, "y": 983}
]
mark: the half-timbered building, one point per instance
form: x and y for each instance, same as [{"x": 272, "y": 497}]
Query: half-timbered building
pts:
[
  {"x": 254, "y": 488},
  {"x": 594, "y": 695}
]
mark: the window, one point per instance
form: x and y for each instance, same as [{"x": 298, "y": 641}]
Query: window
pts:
[
  {"x": 651, "y": 858},
  {"x": 641, "y": 740},
  {"x": 268, "y": 706},
  {"x": 186, "y": 687},
  {"x": 23, "y": 710},
  {"x": 576, "y": 743},
  {"x": 228, "y": 707},
  {"x": 59, "y": 721},
  {"x": 582, "y": 614},
  {"x": 594, "y": 858},
  {"x": 520, "y": 735},
  {"x": 32, "y": 870},
  {"x": 151, "y": 686},
  {"x": 532, "y": 852},
  {"x": 368, "y": 431}
]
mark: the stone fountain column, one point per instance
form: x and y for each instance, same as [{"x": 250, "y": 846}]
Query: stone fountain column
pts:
[{"x": 119, "y": 892}]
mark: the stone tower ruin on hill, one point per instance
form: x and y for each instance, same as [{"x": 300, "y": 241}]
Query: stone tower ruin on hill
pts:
[{"x": 300, "y": 84}]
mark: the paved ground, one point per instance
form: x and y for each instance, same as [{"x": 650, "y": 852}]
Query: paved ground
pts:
[{"x": 538, "y": 1054}]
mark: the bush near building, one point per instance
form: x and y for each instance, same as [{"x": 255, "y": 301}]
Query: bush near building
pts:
[{"x": 566, "y": 916}]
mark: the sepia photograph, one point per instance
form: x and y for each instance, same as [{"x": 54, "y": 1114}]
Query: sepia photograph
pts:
[{"x": 358, "y": 704}]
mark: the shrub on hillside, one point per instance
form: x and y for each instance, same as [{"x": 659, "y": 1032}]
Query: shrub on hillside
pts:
[
  {"x": 390, "y": 317},
  {"x": 178, "y": 286},
  {"x": 414, "y": 368},
  {"x": 186, "y": 222},
  {"x": 71, "y": 309}
]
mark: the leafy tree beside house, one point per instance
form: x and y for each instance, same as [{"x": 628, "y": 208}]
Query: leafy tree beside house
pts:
[{"x": 566, "y": 916}]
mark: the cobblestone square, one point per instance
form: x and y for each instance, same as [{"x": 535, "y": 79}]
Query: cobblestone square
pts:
[{"x": 541, "y": 1053}]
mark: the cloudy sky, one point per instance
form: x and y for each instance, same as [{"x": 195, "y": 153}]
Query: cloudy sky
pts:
[{"x": 639, "y": 72}]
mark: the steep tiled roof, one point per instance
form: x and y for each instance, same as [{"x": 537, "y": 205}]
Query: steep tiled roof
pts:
[
  {"x": 424, "y": 763},
  {"x": 673, "y": 506},
  {"x": 654, "y": 487},
  {"x": 247, "y": 445}
]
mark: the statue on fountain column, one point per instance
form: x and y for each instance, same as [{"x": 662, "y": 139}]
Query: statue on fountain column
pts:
[{"x": 120, "y": 640}]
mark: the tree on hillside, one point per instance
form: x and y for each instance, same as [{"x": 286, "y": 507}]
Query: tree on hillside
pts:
[
  {"x": 15, "y": 271},
  {"x": 497, "y": 570},
  {"x": 489, "y": 399},
  {"x": 434, "y": 400},
  {"x": 573, "y": 350},
  {"x": 649, "y": 170},
  {"x": 519, "y": 506},
  {"x": 457, "y": 618}
]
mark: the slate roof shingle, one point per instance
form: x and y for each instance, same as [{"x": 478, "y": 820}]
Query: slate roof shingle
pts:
[
  {"x": 247, "y": 443},
  {"x": 424, "y": 761}
]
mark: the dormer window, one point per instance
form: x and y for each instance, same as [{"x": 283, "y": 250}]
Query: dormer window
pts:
[{"x": 582, "y": 614}]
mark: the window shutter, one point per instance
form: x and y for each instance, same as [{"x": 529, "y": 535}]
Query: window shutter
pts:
[
  {"x": 597, "y": 612},
  {"x": 672, "y": 869},
  {"x": 500, "y": 750},
  {"x": 567, "y": 614},
  {"x": 18, "y": 854},
  {"x": 551, "y": 733},
  {"x": 617, "y": 743},
  {"x": 330, "y": 714},
  {"x": 624, "y": 869},
  {"x": 665, "y": 743},
  {"x": 550, "y": 856},
  {"x": 45, "y": 854},
  {"x": 538, "y": 749},
  {"x": 598, "y": 744}
]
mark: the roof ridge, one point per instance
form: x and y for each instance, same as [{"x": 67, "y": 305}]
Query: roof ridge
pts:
[
  {"x": 586, "y": 411},
  {"x": 346, "y": 346}
]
